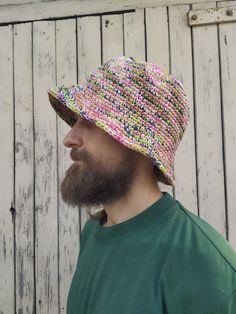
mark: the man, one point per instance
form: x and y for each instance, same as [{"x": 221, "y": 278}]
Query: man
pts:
[{"x": 143, "y": 253}]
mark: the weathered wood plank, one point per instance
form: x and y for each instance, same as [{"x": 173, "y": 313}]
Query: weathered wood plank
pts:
[
  {"x": 46, "y": 218},
  {"x": 59, "y": 9},
  {"x": 134, "y": 37},
  {"x": 6, "y": 172},
  {"x": 68, "y": 216},
  {"x": 158, "y": 48},
  {"x": 11, "y": 2},
  {"x": 89, "y": 58},
  {"x": 157, "y": 37},
  {"x": 208, "y": 125},
  {"x": 181, "y": 67},
  {"x": 227, "y": 37},
  {"x": 112, "y": 36},
  {"x": 24, "y": 169},
  {"x": 89, "y": 51}
]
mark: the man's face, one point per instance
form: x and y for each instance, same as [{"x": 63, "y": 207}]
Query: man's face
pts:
[{"x": 103, "y": 169}]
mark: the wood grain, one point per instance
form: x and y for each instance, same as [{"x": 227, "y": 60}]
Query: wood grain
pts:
[
  {"x": 24, "y": 169},
  {"x": 209, "y": 125},
  {"x": 227, "y": 41},
  {"x": 66, "y": 68},
  {"x": 46, "y": 219},
  {"x": 6, "y": 172}
]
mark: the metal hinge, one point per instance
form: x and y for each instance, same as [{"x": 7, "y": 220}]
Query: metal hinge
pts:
[{"x": 211, "y": 16}]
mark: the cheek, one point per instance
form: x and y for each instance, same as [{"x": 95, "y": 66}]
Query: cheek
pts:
[
  {"x": 105, "y": 147},
  {"x": 106, "y": 152}
]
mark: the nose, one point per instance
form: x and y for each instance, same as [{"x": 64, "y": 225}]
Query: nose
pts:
[{"x": 73, "y": 138}]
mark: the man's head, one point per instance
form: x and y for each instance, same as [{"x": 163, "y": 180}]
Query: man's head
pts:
[
  {"x": 103, "y": 170},
  {"x": 134, "y": 104}
]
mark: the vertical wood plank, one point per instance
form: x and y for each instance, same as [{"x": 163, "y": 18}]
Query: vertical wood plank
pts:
[
  {"x": 134, "y": 36},
  {"x": 6, "y": 172},
  {"x": 112, "y": 37},
  {"x": 208, "y": 124},
  {"x": 68, "y": 216},
  {"x": 45, "y": 169},
  {"x": 158, "y": 48},
  {"x": 157, "y": 36},
  {"x": 227, "y": 37},
  {"x": 24, "y": 169},
  {"x": 181, "y": 66},
  {"x": 89, "y": 51},
  {"x": 89, "y": 58}
]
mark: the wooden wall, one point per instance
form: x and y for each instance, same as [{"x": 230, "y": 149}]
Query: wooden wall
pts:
[{"x": 39, "y": 240}]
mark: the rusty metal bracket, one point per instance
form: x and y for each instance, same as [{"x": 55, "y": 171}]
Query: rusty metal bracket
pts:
[{"x": 212, "y": 16}]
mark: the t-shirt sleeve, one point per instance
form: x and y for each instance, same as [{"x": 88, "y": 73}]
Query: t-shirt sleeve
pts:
[
  {"x": 198, "y": 283},
  {"x": 228, "y": 306}
]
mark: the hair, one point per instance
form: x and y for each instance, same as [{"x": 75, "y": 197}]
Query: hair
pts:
[{"x": 101, "y": 215}]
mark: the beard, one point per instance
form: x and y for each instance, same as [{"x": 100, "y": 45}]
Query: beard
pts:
[{"x": 92, "y": 182}]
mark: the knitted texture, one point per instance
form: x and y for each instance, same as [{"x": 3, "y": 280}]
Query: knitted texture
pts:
[{"x": 141, "y": 105}]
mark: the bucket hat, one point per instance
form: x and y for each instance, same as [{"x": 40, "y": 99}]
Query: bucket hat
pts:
[{"x": 139, "y": 104}]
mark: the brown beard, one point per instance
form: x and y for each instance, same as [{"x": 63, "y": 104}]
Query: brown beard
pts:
[{"x": 95, "y": 182}]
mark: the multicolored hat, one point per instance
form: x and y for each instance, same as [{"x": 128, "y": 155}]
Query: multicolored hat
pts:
[{"x": 141, "y": 105}]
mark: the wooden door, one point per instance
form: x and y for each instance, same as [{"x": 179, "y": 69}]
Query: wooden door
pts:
[{"x": 39, "y": 237}]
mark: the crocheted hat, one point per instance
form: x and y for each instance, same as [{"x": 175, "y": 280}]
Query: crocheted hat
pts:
[{"x": 141, "y": 105}]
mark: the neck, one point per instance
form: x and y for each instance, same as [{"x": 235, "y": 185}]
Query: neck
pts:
[{"x": 139, "y": 197}]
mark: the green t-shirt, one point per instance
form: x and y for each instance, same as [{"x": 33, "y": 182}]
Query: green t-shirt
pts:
[{"x": 163, "y": 260}]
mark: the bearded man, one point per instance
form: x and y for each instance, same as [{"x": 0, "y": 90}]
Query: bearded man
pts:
[{"x": 143, "y": 252}]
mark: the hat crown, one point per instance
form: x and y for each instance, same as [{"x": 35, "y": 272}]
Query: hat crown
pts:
[{"x": 146, "y": 80}]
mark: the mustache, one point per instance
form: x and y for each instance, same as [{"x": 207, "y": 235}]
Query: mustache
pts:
[{"x": 78, "y": 155}]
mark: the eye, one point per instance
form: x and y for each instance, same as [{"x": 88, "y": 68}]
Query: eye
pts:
[
  {"x": 82, "y": 122},
  {"x": 89, "y": 124}
]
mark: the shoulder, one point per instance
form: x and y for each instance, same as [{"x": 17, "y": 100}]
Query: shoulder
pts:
[
  {"x": 196, "y": 241},
  {"x": 205, "y": 241},
  {"x": 200, "y": 265}
]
